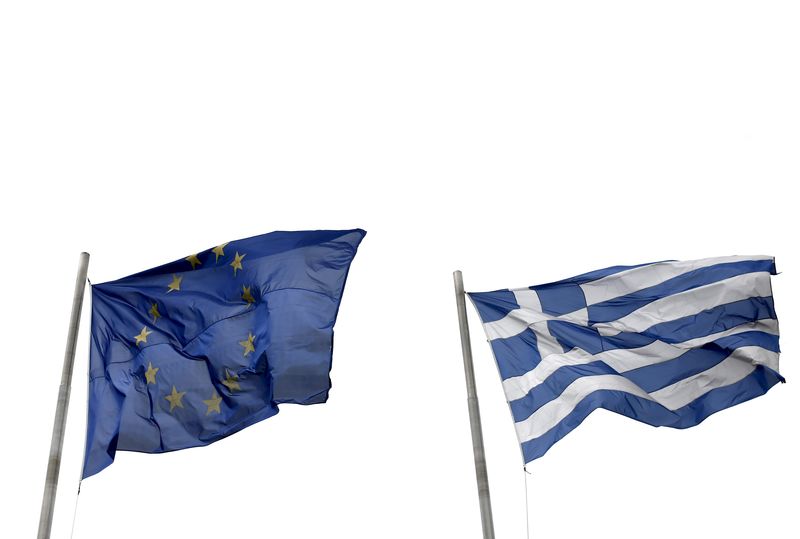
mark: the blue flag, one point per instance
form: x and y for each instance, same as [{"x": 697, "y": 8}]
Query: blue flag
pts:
[
  {"x": 667, "y": 344},
  {"x": 190, "y": 352}
]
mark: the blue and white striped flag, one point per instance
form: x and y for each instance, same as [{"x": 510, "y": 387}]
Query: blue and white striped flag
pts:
[{"x": 667, "y": 343}]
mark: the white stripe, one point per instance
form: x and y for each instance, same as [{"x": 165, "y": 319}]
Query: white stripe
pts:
[
  {"x": 549, "y": 415},
  {"x": 514, "y": 323},
  {"x": 693, "y": 301},
  {"x": 518, "y": 320},
  {"x": 618, "y": 284},
  {"x": 545, "y": 342},
  {"x": 607, "y": 331},
  {"x": 580, "y": 317},
  {"x": 733, "y": 369},
  {"x": 738, "y": 365},
  {"x": 623, "y": 360},
  {"x": 629, "y": 281},
  {"x": 767, "y": 325},
  {"x": 527, "y": 299}
]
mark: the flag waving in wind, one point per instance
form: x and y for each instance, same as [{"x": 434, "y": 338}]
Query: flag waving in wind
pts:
[
  {"x": 190, "y": 352},
  {"x": 667, "y": 343}
]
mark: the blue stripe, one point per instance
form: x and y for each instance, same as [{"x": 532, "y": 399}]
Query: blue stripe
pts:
[
  {"x": 754, "y": 385},
  {"x": 753, "y": 338},
  {"x": 713, "y": 320},
  {"x": 654, "y": 377},
  {"x": 495, "y": 305},
  {"x": 560, "y": 298},
  {"x": 599, "y": 274},
  {"x": 516, "y": 355},
  {"x": 571, "y": 335},
  {"x": 616, "y": 308},
  {"x": 515, "y": 358},
  {"x": 553, "y": 386},
  {"x": 649, "y": 378}
]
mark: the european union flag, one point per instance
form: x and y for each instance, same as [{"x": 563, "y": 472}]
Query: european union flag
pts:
[{"x": 190, "y": 352}]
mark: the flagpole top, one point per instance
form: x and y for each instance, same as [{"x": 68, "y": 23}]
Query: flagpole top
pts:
[{"x": 459, "y": 282}]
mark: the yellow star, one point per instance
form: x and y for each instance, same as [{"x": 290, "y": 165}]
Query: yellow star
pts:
[
  {"x": 248, "y": 344},
  {"x": 246, "y": 295},
  {"x": 175, "y": 284},
  {"x": 219, "y": 250},
  {"x": 154, "y": 312},
  {"x": 193, "y": 260},
  {"x": 213, "y": 403},
  {"x": 231, "y": 381},
  {"x": 150, "y": 373},
  {"x": 142, "y": 337},
  {"x": 175, "y": 399},
  {"x": 237, "y": 262}
]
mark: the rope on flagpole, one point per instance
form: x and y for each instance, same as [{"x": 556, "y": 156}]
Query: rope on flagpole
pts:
[
  {"x": 526, "y": 473},
  {"x": 75, "y": 511}
]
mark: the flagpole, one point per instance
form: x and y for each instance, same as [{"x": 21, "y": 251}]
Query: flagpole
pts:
[
  {"x": 474, "y": 412},
  {"x": 60, "y": 422}
]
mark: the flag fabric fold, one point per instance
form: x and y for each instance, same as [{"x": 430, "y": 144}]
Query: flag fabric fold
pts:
[
  {"x": 187, "y": 353},
  {"x": 667, "y": 343}
]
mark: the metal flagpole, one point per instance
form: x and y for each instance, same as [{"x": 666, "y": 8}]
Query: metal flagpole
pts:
[
  {"x": 474, "y": 412},
  {"x": 60, "y": 422}
]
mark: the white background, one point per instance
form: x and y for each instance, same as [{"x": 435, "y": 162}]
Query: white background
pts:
[{"x": 521, "y": 142}]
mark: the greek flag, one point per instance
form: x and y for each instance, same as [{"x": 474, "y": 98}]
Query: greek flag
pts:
[{"x": 666, "y": 343}]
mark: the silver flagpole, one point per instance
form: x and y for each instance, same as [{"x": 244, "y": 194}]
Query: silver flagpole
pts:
[
  {"x": 474, "y": 412},
  {"x": 60, "y": 422}
]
